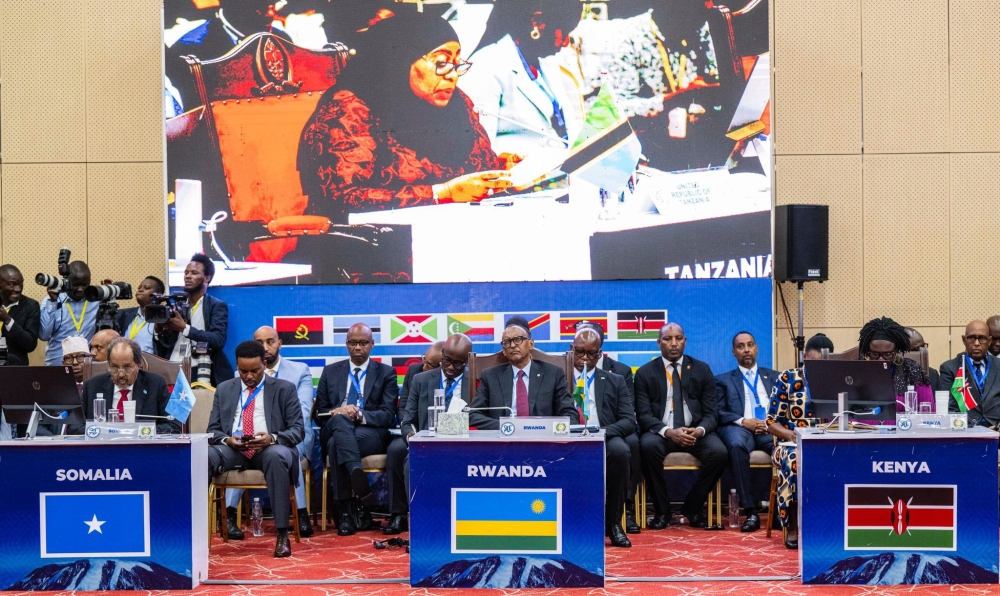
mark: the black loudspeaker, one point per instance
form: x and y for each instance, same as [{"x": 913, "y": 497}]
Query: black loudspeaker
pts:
[{"x": 801, "y": 242}]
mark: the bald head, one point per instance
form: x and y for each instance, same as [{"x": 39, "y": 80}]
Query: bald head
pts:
[
  {"x": 99, "y": 344},
  {"x": 993, "y": 323},
  {"x": 916, "y": 340},
  {"x": 976, "y": 339},
  {"x": 432, "y": 357},
  {"x": 455, "y": 355},
  {"x": 268, "y": 337},
  {"x": 359, "y": 343}
]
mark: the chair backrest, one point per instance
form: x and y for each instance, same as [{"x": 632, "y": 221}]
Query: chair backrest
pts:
[
  {"x": 92, "y": 369},
  {"x": 165, "y": 368},
  {"x": 204, "y": 395},
  {"x": 477, "y": 364},
  {"x": 921, "y": 356}
]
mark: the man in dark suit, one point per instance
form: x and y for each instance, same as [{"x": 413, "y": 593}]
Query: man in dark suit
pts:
[
  {"x": 255, "y": 424},
  {"x": 131, "y": 322},
  {"x": 605, "y": 362},
  {"x": 527, "y": 387},
  {"x": 743, "y": 395},
  {"x": 450, "y": 378},
  {"x": 430, "y": 360},
  {"x": 982, "y": 372},
  {"x": 356, "y": 406},
  {"x": 207, "y": 321},
  {"x": 917, "y": 342},
  {"x": 607, "y": 404},
  {"x": 20, "y": 316},
  {"x": 676, "y": 406},
  {"x": 127, "y": 382}
]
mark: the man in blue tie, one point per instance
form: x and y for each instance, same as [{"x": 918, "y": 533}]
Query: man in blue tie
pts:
[
  {"x": 743, "y": 395},
  {"x": 981, "y": 373}
]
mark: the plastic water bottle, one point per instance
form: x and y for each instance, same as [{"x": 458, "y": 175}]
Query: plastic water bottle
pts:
[
  {"x": 734, "y": 509},
  {"x": 257, "y": 517},
  {"x": 100, "y": 411},
  {"x": 910, "y": 399}
]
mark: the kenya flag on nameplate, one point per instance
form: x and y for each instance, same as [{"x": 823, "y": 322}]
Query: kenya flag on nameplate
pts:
[{"x": 900, "y": 517}]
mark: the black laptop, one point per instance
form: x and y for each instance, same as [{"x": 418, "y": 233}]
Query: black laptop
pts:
[
  {"x": 51, "y": 388},
  {"x": 868, "y": 384}
]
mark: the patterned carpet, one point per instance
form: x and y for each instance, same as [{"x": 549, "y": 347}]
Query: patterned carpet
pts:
[{"x": 676, "y": 552}]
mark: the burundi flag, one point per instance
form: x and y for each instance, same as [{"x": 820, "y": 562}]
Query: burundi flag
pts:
[
  {"x": 342, "y": 324},
  {"x": 413, "y": 329},
  {"x": 569, "y": 320},
  {"x": 506, "y": 521},
  {"x": 94, "y": 524},
  {"x": 900, "y": 517},
  {"x": 479, "y": 327},
  {"x": 961, "y": 392},
  {"x": 607, "y": 151},
  {"x": 299, "y": 331},
  {"x": 181, "y": 399},
  {"x": 640, "y": 325}
]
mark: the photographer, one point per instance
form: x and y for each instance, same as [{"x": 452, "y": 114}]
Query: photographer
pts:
[
  {"x": 131, "y": 322},
  {"x": 207, "y": 321},
  {"x": 19, "y": 317},
  {"x": 67, "y": 313}
]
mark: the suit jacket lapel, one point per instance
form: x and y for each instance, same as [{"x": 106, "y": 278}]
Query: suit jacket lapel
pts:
[
  {"x": 340, "y": 382},
  {"x": 662, "y": 370},
  {"x": 506, "y": 385},
  {"x": 600, "y": 383},
  {"x": 227, "y": 406},
  {"x": 737, "y": 380},
  {"x": 686, "y": 376},
  {"x": 370, "y": 375},
  {"x": 991, "y": 376},
  {"x": 137, "y": 393},
  {"x": 535, "y": 374},
  {"x": 269, "y": 403}
]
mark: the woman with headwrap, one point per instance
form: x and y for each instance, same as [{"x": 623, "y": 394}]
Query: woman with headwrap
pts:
[
  {"x": 886, "y": 340},
  {"x": 394, "y": 131}
]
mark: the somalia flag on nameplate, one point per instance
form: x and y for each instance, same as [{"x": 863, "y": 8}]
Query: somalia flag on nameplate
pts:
[
  {"x": 900, "y": 517},
  {"x": 94, "y": 524},
  {"x": 502, "y": 521}
]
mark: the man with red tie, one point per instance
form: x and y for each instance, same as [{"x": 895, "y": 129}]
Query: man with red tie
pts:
[
  {"x": 124, "y": 382},
  {"x": 528, "y": 387}
]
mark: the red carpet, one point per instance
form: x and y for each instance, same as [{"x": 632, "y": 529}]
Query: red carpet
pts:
[{"x": 675, "y": 552}]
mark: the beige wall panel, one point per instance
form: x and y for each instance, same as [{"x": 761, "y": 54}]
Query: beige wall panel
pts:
[
  {"x": 906, "y": 195},
  {"x": 33, "y": 194},
  {"x": 938, "y": 340},
  {"x": 957, "y": 346},
  {"x": 125, "y": 220},
  {"x": 817, "y": 84},
  {"x": 43, "y": 93},
  {"x": 842, "y": 338},
  {"x": 974, "y": 27},
  {"x": 124, "y": 80},
  {"x": 975, "y": 196},
  {"x": 833, "y": 180},
  {"x": 905, "y": 45}
]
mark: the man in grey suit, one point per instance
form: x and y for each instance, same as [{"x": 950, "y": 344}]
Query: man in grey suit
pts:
[
  {"x": 528, "y": 388},
  {"x": 450, "y": 378},
  {"x": 744, "y": 394},
  {"x": 255, "y": 424},
  {"x": 298, "y": 374}
]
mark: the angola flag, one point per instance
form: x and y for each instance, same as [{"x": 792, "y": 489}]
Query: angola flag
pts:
[
  {"x": 900, "y": 517},
  {"x": 640, "y": 325},
  {"x": 961, "y": 392},
  {"x": 300, "y": 331}
]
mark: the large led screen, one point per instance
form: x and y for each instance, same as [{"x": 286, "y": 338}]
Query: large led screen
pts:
[{"x": 370, "y": 141}]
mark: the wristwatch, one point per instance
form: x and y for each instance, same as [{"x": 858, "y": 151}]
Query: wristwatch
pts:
[{"x": 274, "y": 439}]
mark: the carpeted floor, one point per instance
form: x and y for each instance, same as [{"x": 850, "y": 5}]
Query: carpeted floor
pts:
[{"x": 676, "y": 552}]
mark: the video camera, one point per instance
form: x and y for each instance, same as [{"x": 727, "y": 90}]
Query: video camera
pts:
[
  {"x": 163, "y": 307},
  {"x": 107, "y": 294},
  {"x": 57, "y": 284}
]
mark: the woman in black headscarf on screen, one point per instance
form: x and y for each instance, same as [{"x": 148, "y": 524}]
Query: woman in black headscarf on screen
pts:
[{"x": 395, "y": 131}]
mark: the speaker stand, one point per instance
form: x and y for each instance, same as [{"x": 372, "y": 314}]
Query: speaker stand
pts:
[{"x": 800, "y": 339}]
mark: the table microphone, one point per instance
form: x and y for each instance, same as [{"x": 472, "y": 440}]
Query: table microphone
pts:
[
  {"x": 167, "y": 417},
  {"x": 468, "y": 409}
]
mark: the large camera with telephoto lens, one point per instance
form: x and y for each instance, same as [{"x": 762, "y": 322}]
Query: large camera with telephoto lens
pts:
[
  {"x": 163, "y": 307},
  {"x": 107, "y": 294},
  {"x": 57, "y": 284}
]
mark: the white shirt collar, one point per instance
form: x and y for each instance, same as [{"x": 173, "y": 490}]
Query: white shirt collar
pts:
[
  {"x": 118, "y": 389},
  {"x": 277, "y": 363},
  {"x": 525, "y": 369},
  {"x": 748, "y": 371},
  {"x": 667, "y": 363},
  {"x": 363, "y": 366},
  {"x": 11, "y": 305},
  {"x": 244, "y": 385}
]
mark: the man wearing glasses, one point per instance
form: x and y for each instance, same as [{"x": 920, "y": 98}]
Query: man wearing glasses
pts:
[
  {"x": 356, "y": 407},
  {"x": 450, "y": 378},
  {"x": 125, "y": 382},
  {"x": 981, "y": 374},
  {"x": 527, "y": 387}
]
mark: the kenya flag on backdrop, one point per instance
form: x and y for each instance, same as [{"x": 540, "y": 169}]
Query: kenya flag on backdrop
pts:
[{"x": 900, "y": 517}]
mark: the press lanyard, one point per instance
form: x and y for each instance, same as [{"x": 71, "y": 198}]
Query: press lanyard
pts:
[
  {"x": 249, "y": 401},
  {"x": 132, "y": 330},
  {"x": 975, "y": 378},
  {"x": 753, "y": 388},
  {"x": 83, "y": 313},
  {"x": 448, "y": 393},
  {"x": 357, "y": 382}
]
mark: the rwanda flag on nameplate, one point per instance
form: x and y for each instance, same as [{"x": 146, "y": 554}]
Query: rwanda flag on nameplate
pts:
[
  {"x": 504, "y": 521},
  {"x": 900, "y": 517}
]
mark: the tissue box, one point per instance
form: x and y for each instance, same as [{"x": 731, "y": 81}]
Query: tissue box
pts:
[{"x": 453, "y": 423}]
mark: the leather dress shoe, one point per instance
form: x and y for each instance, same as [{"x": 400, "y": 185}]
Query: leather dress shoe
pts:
[
  {"x": 631, "y": 526},
  {"x": 698, "y": 521},
  {"x": 618, "y": 537},
  {"x": 362, "y": 490},
  {"x": 282, "y": 548},
  {"x": 346, "y": 526},
  {"x": 751, "y": 523},
  {"x": 792, "y": 540},
  {"x": 234, "y": 531},
  {"x": 659, "y": 521},
  {"x": 397, "y": 524},
  {"x": 305, "y": 527},
  {"x": 363, "y": 518}
]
